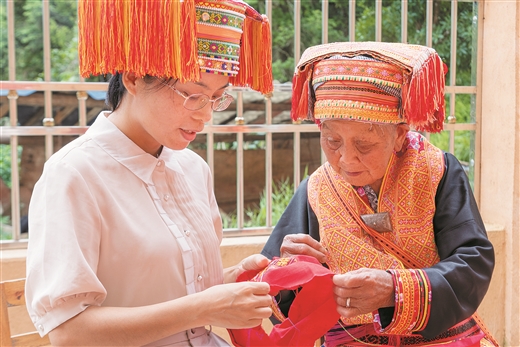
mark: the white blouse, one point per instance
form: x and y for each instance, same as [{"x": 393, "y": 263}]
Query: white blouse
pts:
[{"x": 111, "y": 225}]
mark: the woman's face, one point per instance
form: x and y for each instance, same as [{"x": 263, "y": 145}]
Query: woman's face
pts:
[
  {"x": 359, "y": 151},
  {"x": 155, "y": 115}
]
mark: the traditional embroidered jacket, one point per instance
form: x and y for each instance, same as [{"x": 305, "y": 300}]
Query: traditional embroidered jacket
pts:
[{"x": 434, "y": 220}]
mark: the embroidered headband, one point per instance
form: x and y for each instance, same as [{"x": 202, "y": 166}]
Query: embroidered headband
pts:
[
  {"x": 371, "y": 81},
  {"x": 177, "y": 39}
]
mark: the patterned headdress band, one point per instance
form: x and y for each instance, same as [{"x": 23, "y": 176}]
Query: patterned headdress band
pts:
[
  {"x": 371, "y": 81},
  {"x": 177, "y": 39}
]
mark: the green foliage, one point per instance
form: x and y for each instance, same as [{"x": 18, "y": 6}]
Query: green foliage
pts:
[
  {"x": 5, "y": 234},
  {"x": 282, "y": 194},
  {"x": 29, "y": 40},
  {"x": 283, "y": 191},
  {"x": 5, "y": 163}
]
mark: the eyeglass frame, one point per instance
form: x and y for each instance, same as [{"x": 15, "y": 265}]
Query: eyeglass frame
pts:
[{"x": 224, "y": 96}]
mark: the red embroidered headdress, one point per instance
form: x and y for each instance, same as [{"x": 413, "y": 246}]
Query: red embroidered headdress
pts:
[
  {"x": 177, "y": 39},
  {"x": 371, "y": 81}
]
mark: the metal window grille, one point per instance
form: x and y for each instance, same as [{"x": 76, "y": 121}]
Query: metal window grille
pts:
[{"x": 240, "y": 131}]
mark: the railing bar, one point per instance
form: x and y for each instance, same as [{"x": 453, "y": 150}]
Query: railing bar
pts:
[
  {"x": 269, "y": 142},
  {"x": 297, "y": 31},
  {"x": 96, "y": 86},
  {"x": 429, "y": 22},
  {"x": 296, "y": 147},
  {"x": 461, "y": 89},
  {"x": 352, "y": 21},
  {"x": 404, "y": 21},
  {"x": 452, "y": 142},
  {"x": 11, "y": 41},
  {"x": 453, "y": 48},
  {"x": 453, "y": 60},
  {"x": 324, "y": 21},
  {"x": 256, "y": 231},
  {"x": 240, "y": 180},
  {"x": 210, "y": 154},
  {"x": 46, "y": 41},
  {"x": 240, "y": 163},
  {"x": 49, "y": 146},
  {"x": 268, "y": 179},
  {"x": 209, "y": 129},
  {"x": 82, "y": 105},
  {"x": 478, "y": 101},
  {"x": 13, "y": 244},
  {"x": 379, "y": 18},
  {"x": 268, "y": 163},
  {"x": 15, "y": 189},
  {"x": 269, "y": 11},
  {"x": 47, "y": 57}
]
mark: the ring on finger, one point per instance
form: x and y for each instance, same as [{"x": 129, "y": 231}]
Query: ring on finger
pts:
[{"x": 347, "y": 303}]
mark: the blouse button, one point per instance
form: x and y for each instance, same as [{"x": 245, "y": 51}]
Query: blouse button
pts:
[
  {"x": 166, "y": 197},
  {"x": 40, "y": 328},
  {"x": 199, "y": 278},
  {"x": 159, "y": 163},
  {"x": 187, "y": 232}
]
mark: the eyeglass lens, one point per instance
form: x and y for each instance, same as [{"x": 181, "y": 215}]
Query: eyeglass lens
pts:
[{"x": 198, "y": 101}]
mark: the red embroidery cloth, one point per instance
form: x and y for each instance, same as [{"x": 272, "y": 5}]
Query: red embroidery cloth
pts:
[{"x": 312, "y": 313}]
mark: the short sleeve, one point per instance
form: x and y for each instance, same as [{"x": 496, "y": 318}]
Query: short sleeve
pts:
[{"x": 64, "y": 223}]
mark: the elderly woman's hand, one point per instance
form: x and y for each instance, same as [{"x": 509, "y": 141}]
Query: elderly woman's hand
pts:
[
  {"x": 363, "y": 291},
  {"x": 302, "y": 244}
]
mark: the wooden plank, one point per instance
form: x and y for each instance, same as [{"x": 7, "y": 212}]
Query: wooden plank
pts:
[
  {"x": 30, "y": 339},
  {"x": 5, "y": 329},
  {"x": 14, "y": 291}
]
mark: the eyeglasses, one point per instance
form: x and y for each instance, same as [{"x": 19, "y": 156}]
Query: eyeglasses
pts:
[{"x": 194, "y": 102}]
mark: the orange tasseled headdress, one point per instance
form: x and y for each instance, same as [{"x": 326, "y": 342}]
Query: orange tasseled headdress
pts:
[
  {"x": 371, "y": 81},
  {"x": 177, "y": 39}
]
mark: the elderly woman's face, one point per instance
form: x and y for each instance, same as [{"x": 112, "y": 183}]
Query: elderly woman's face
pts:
[{"x": 360, "y": 151}]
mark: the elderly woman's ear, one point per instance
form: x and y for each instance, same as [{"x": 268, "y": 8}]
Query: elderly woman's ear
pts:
[{"x": 402, "y": 129}]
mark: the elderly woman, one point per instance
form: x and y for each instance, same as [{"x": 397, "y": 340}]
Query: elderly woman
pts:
[{"x": 390, "y": 214}]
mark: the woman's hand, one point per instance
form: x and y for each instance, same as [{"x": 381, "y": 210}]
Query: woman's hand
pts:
[
  {"x": 363, "y": 291},
  {"x": 253, "y": 262},
  {"x": 302, "y": 244},
  {"x": 238, "y": 305}
]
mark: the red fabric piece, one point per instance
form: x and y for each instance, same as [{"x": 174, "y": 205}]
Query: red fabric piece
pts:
[{"x": 312, "y": 313}]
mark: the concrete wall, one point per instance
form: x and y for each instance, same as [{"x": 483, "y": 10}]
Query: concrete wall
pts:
[{"x": 500, "y": 147}]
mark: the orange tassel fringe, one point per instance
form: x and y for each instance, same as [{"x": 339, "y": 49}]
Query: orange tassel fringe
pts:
[
  {"x": 423, "y": 96},
  {"x": 255, "y": 56},
  {"x": 114, "y": 35}
]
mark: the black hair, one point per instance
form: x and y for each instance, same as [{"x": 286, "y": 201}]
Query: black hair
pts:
[{"x": 116, "y": 91}]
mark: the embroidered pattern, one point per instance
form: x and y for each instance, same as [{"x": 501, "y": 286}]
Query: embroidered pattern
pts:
[
  {"x": 407, "y": 194},
  {"x": 219, "y": 29}
]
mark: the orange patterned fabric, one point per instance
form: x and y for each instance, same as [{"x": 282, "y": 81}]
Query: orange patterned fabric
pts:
[
  {"x": 362, "y": 89},
  {"x": 407, "y": 194},
  {"x": 417, "y": 72}
]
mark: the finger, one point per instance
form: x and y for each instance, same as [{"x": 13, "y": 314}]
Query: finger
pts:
[
  {"x": 259, "y": 288},
  {"x": 302, "y": 244},
  {"x": 262, "y": 313},
  {"x": 306, "y": 239},
  {"x": 254, "y": 262}
]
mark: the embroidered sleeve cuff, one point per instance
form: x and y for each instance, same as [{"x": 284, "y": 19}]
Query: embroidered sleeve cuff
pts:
[{"x": 412, "y": 302}]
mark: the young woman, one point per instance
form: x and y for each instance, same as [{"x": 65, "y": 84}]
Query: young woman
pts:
[{"x": 125, "y": 228}]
